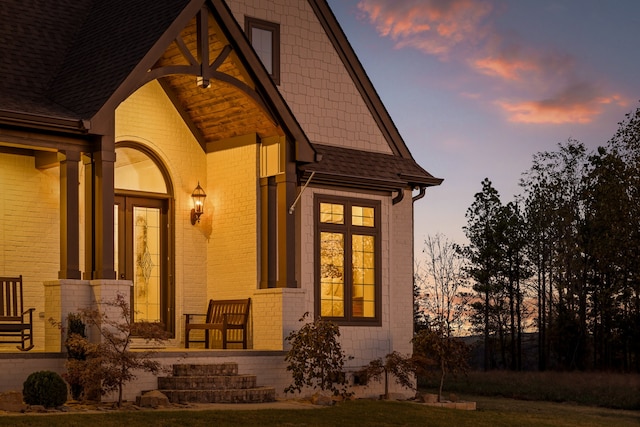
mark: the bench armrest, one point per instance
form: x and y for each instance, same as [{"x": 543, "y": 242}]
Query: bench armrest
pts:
[{"x": 187, "y": 316}]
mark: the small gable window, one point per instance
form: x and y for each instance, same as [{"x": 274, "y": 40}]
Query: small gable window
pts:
[{"x": 265, "y": 39}]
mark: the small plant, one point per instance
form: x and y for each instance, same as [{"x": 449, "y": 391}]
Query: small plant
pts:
[
  {"x": 316, "y": 358},
  {"x": 75, "y": 326},
  {"x": 45, "y": 388},
  {"x": 401, "y": 367},
  {"x": 76, "y": 355}
]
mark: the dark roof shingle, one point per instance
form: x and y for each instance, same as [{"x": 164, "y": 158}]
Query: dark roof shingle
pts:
[
  {"x": 366, "y": 168},
  {"x": 66, "y": 58}
]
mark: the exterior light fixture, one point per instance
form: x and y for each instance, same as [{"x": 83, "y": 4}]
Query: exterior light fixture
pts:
[{"x": 198, "y": 197}]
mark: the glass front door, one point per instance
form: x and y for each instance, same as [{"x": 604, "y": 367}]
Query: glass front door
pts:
[{"x": 141, "y": 254}]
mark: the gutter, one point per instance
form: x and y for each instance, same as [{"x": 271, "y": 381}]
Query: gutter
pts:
[{"x": 44, "y": 122}]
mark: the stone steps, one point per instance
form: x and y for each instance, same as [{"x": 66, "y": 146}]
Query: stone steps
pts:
[
  {"x": 218, "y": 382},
  {"x": 253, "y": 395},
  {"x": 215, "y": 383}
]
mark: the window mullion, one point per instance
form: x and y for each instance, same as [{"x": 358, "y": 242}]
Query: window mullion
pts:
[{"x": 348, "y": 262}]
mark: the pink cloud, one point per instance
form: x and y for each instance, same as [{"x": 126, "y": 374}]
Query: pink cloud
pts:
[
  {"x": 465, "y": 31},
  {"x": 502, "y": 67},
  {"x": 432, "y": 26},
  {"x": 579, "y": 103}
]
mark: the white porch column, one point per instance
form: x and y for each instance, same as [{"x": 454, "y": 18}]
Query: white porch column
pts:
[
  {"x": 275, "y": 313},
  {"x": 106, "y": 291},
  {"x": 62, "y": 297}
]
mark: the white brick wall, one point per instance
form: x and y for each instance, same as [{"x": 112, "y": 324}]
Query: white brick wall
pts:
[
  {"x": 232, "y": 247},
  {"x": 275, "y": 314},
  {"x": 401, "y": 273},
  {"x": 16, "y": 370},
  {"x": 61, "y": 298},
  {"x": 29, "y": 230}
]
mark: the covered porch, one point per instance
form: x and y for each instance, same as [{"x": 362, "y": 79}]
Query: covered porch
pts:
[{"x": 73, "y": 191}]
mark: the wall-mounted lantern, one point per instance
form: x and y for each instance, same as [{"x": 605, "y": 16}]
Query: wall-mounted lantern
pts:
[{"x": 198, "y": 197}]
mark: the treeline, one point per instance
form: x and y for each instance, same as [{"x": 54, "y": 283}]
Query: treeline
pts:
[{"x": 565, "y": 253}]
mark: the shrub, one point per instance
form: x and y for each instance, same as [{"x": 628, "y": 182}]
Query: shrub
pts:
[
  {"x": 316, "y": 358},
  {"x": 45, "y": 388},
  {"x": 76, "y": 352}
]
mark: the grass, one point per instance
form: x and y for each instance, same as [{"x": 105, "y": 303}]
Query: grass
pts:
[
  {"x": 503, "y": 399},
  {"x": 610, "y": 390},
  {"x": 492, "y": 412}
]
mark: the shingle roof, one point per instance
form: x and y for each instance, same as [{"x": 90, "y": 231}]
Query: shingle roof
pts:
[
  {"x": 111, "y": 42},
  {"x": 33, "y": 40},
  {"x": 67, "y": 60},
  {"x": 365, "y": 168}
]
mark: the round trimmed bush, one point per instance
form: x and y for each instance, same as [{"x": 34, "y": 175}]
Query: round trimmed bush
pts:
[{"x": 44, "y": 388}]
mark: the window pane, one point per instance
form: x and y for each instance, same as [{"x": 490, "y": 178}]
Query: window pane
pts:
[
  {"x": 363, "y": 276},
  {"x": 146, "y": 247},
  {"x": 331, "y": 274},
  {"x": 362, "y": 216},
  {"x": 331, "y": 213},
  {"x": 262, "y": 41},
  {"x": 134, "y": 170}
]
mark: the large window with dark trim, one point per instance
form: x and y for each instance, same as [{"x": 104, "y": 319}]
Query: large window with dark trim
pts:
[
  {"x": 348, "y": 279},
  {"x": 265, "y": 39}
]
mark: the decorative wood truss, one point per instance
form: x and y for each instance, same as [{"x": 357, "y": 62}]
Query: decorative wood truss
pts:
[{"x": 223, "y": 101}]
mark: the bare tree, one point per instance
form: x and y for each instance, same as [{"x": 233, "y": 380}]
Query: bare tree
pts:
[{"x": 441, "y": 280}]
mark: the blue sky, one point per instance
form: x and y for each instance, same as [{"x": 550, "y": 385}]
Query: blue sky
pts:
[{"x": 477, "y": 87}]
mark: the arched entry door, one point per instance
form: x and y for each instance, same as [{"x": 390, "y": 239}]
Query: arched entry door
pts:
[{"x": 143, "y": 233}]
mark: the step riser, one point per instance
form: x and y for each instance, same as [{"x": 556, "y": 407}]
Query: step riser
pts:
[
  {"x": 257, "y": 395},
  {"x": 205, "y": 370},
  {"x": 207, "y": 383}
]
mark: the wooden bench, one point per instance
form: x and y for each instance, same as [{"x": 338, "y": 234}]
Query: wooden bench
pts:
[
  {"x": 15, "y": 322},
  {"x": 226, "y": 316}
]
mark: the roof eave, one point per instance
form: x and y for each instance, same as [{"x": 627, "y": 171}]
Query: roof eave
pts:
[
  {"x": 44, "y": 122},
  {"x": 422, "y": 181}
]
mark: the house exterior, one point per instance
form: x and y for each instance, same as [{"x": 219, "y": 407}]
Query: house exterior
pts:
[{"x": 113, "y": 113}]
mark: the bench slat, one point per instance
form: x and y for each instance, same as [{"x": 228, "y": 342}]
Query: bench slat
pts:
[{"x": 225, "y": 316}]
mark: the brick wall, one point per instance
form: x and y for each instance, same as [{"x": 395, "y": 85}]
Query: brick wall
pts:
[
  {"x": 29, "y": 230},
  {"x": 401, "y": 273},
  {"x": 232, "y": 247},
  {"x": 275, "y": 314}
]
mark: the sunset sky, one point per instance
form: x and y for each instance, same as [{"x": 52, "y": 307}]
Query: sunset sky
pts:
[{"x": 476, "y": 87}]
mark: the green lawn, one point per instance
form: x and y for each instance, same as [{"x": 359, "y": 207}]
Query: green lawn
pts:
[{"x": 492, "y": 412}]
